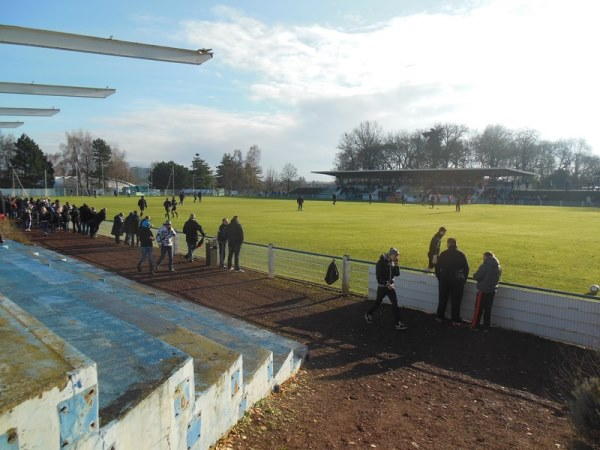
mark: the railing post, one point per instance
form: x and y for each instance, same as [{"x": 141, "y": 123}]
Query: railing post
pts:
[
  {"x": 346, "y": 275},
  {"x": 271, "y": 262}
]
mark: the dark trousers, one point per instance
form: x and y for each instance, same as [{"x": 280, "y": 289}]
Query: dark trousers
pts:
[
  {"x": 483, "y": 306},
  {"x": 234, "y": 251},
  {"x": 382, "y": 292},
  {"x": 166, "y": 250},
  {"x": 454, "y": 293},
  {"x": 191, "y": 246},
  {"x": 222, "y": 248}
]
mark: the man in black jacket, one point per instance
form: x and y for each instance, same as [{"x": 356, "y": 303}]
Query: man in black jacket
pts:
[
  {"x": 235, "y": 239},
  {"x": 385, "y": 271},
  {"x": 434, "y": 247},
  {"x": 146, "y": 241},
  {"x": 222, "y": 241},
  {"x": 452, "y": 271},
  {"x": 191, "y": 228},
  {"x": 117, "y": 228},
  {"x": 97, "y": 219},
  {"x": 142, "y": 204}
]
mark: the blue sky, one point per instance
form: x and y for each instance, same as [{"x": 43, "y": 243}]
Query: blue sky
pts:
[{"x": 292, "y": 77}]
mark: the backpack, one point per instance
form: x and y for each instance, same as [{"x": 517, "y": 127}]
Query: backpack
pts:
[{"x": 332, "y": 274}]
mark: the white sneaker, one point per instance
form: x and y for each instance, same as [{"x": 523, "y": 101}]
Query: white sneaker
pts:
[
  {"x": 401, "y": 326},
  {"x": 240, "y": 271}
]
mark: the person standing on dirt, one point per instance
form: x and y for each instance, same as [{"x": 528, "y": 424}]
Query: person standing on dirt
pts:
[
  {"x": 434, "y": 248},
  {"x": 134, "y": 229},
  {"x": 97, "y": 219},
  {"x": 488, "y": 277},
  {"x": 452, "y": 271},
  {"x": 222, "y": 241},
  {"x": 386, "y": 270},
  {"x": 166, "y": 240},
  {"x": 85, "y": 212},
  {"x": 117, "y": 228},
  {"x": 235, "y": 238},
  {"x": 146, "y": 239},
  {"x": 127, "y": 228},
  {"x": 191, "y": 228},
  {"x": 142, "y": 204},
  {"x": 75, "y": 219}
]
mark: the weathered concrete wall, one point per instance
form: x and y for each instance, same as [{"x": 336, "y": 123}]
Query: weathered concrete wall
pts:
[
  {"x": 170, "y": 374},
  {"x": 571, "y": 320},
  {"x": 48, "y": 389}
]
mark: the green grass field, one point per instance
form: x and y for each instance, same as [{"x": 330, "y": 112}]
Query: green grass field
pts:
[{"x": 549, "y": 247}]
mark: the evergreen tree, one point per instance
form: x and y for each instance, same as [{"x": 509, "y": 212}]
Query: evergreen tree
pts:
[
  {"x": 202, "y": 176},
  {"x": 162, "y": 176},
  {"x": 31, "y": 165},
  {"x": 102, "y": 155},
  {"x": 230, "y": 171}
]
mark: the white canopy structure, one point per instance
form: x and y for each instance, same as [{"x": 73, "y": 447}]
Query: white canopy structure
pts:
[
  {"x": 104, "y": 46},
  {"x": 47, "y": 89},
  {"x": 10, "y": 124},
  {"x": 46, "y": 112}
]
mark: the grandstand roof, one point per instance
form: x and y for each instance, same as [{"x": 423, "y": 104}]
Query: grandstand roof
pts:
[{"x": 488, "y": 172}]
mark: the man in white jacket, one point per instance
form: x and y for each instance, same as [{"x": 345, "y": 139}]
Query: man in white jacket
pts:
[{"x": 166, "y": 241}]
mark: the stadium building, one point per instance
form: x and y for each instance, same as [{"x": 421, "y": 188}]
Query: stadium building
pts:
[{"x": 475, "y": 184}]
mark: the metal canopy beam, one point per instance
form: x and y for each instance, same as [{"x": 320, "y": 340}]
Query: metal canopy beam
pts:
[
  {"x": 88, "y": 44},
  {"x": 47, "y": 89},
  {"x": 10, "y": 124},
  {"x": 28, "y": 111}
]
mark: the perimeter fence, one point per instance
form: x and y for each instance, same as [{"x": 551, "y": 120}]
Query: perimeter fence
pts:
[{"x": 563, "y": 316}]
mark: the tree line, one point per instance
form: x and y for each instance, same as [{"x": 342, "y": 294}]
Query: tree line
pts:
[
  {"x": 564, "y": 162},
  {"x": 93, "y": 164},
  {"x": 235, "y": 172}
]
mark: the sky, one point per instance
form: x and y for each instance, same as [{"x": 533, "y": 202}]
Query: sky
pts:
[{"x": 293, "y": 77}]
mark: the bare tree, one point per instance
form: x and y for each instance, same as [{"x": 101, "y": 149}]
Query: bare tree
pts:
[
  {"x": 7, "y": 152},
  {"x": 77, "y": 158},
  {"x": 270, "y": 180},
  {"x": 288, "y": 174},
  {"x": 526, "y": 149},
  {"x": 362, "y": 148},
  {"x": 492, "y": 148},
  {"x": 118, "y": 168}
]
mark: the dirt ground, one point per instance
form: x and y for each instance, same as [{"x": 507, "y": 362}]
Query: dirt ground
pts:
[{"x": 369, "y": 386}]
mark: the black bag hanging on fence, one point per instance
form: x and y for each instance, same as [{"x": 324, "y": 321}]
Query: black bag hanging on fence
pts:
[{"x": 332, "y": 274}]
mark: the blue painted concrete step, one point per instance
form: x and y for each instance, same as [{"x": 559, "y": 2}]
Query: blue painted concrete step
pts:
[
  {"x": 130, "y": 362},
  {"x": 227, "y": 331}
]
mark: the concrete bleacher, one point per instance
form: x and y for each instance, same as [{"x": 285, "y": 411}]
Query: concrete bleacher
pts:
[{"x": 170, "y": 373}]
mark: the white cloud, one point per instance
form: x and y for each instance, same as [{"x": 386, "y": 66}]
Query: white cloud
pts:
[{"x": 514, "y": 62}]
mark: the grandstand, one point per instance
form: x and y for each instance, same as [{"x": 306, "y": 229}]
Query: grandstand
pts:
[{"x": 476, "y": 185}]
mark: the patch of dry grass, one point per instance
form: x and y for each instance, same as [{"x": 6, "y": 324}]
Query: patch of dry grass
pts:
[{"x": 10, "y": 230}]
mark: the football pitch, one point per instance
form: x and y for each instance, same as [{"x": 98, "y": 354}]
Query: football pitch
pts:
[{"x": 549, "y": 247}]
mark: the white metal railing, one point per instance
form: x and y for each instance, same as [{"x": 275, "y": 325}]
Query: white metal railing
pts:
[{"x": 561, "y": 316}]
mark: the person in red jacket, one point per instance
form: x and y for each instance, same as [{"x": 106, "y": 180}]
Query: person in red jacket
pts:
[{"x": 488, "y": 277}]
